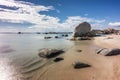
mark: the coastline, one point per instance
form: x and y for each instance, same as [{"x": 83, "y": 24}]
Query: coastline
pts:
[{"x": 102, "y": 67}]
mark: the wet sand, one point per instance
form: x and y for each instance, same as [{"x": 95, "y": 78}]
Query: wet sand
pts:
[{"x": 102, "y": 67}]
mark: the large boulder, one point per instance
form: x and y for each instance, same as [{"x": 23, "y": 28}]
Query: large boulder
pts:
[
  {"x": 49, "y": 53},
  {"x": 109, "y": 52},
  {"x": 82, "y": 29}
]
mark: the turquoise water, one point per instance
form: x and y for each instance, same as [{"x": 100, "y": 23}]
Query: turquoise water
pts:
[
  {"x": 21, "y": 50},
  {"x": 29, "y": 44}
]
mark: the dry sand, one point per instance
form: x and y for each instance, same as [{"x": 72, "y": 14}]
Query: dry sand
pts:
[{"x": 102, "y": 67}]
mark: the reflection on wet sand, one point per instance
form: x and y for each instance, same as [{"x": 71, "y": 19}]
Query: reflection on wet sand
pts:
[
  {"x": 8, "y": 70},
  {"x": 6, "y": 49}
]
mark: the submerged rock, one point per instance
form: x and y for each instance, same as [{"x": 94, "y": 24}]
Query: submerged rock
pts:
[
  {"x": 109, "y": 52},
  {"x": 56, "y": 37},
  {"x": 49, "y": 53},
  {"x": 66, "y": 35},
  {"x": 19, "y": 33},
  {"x": 58, "y": 59},
  {"x": 78, "y": 65},
  {"x": 47, "y": 37}
]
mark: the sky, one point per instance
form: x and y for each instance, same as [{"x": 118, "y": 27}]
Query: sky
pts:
[{"x": 57, "y": 15}]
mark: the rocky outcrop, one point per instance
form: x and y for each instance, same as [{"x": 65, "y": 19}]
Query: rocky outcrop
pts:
[
  {"x": 78, "y": 65},
  {"x": 109, "y": 31},
  {"x": 82, "y": 29},
  {"x": 49, "y": 53},
  {"x": 109, "y": 52}
]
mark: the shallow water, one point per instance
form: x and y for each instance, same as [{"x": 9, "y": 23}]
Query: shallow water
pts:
[{"x": 19, "y": 53}]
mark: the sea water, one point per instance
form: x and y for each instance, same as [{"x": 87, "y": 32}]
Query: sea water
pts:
[{"x": 17, "y": 50}]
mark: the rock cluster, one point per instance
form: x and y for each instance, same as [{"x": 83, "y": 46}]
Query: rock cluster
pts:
[
  {"x": 83, "y": 32},
  {"x": 109, "y": 31}
]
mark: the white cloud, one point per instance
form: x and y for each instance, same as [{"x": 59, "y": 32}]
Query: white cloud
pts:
[
  {"x": 81, "y": 19},
  {"x": 114, "y": 24},
  {"x": 25, "y": 12},
  {"x": 73, "y": 21},
  {"x": 29, "y": 12}
]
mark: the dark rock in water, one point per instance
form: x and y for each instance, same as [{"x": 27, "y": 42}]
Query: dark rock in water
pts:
[
  {"x": 78, "y": 65},
  {"x": 63, "y": 35},
  {"x": 57, "y": 37},
  {"x": 38, "y": 33},
  {"x": 49, "y": 53},
  {"x": 47, "y": 37},
  {"x": 19, "y": 32},
  {"x": 58, "y": 59},
  {"x": 109, "y": 52},
  {"x": 66, "y": 35}
]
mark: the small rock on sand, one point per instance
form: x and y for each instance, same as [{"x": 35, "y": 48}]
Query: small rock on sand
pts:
[
  {"x": 78, "y": 65},
  {"x": 109, "y": 52},
  {"x": 79, "y": 50},
  {"x": 58, "y": 59}
]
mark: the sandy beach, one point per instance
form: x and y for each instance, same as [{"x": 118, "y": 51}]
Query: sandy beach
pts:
[
  {"x": 108, "y": 41},
  {"x": 59, "y": 40},
  {"x": 102, "y": 67},
  {"x": 33, "y": 67}
]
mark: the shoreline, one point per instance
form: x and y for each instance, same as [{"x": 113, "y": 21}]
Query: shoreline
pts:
[{"x": 102, "y": 67}]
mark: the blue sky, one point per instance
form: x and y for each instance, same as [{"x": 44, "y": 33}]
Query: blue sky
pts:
[{"x": 57, "y": 15}]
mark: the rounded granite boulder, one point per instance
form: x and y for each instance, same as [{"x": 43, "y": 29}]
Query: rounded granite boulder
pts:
[{"x": 82, "y": 29}]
